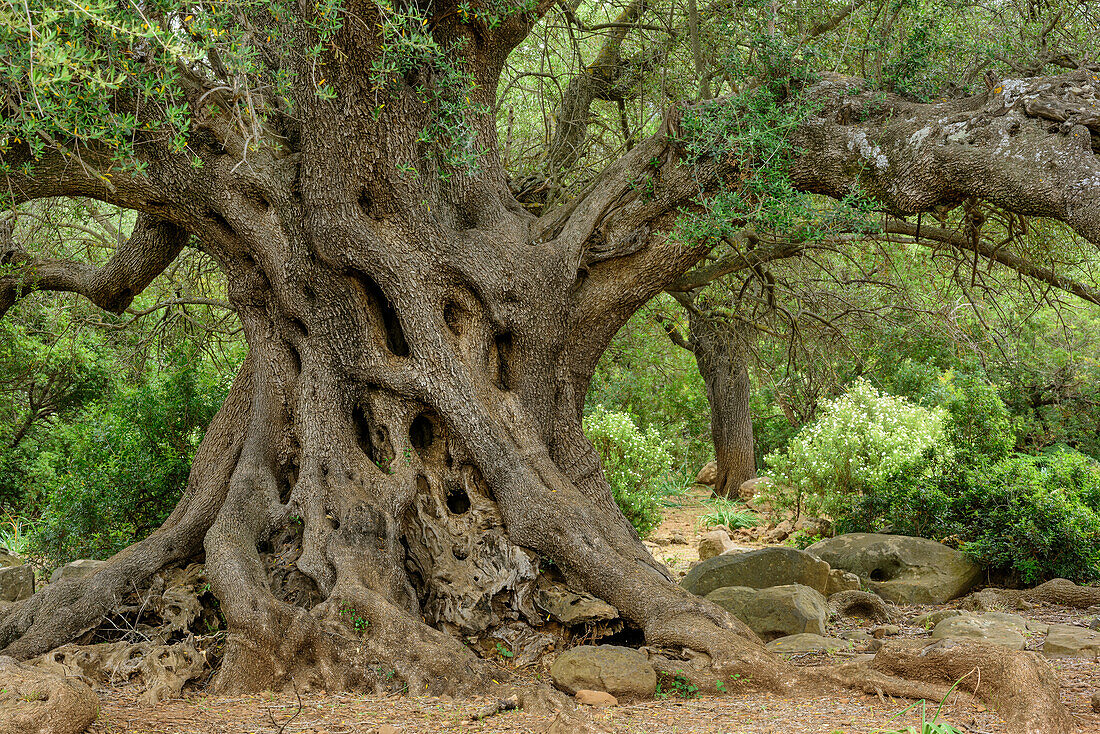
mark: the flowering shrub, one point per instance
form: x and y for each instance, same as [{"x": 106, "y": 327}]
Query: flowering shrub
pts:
[
  {"x": 633, "y": 462},
  {"x": 860, "y": 440}
]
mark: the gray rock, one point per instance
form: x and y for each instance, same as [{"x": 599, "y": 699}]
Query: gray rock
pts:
[
  {"x": 621, "y": 671},
  {"x": 571, "y": 608},
  {"x": 931, "y": 619},
  {"x": 982, "y": 628},
  {"x": 7, "y": 558},
  {"x": 758, "y": 569},
  {"x": 900, "y": 568},
  {"x": 752, "y": 487},
  {"x": 708, "y": 475},
  {"x": 714, "y": 543},
  {"x": 1066, "y": 641},
  {"x": 16, "y": 583},
  {"x": 841, "y": 580},
  {"x": 808, "y": 643},
  {"x": 77, "y": 569},
  {"x": 777, "y": 611}
]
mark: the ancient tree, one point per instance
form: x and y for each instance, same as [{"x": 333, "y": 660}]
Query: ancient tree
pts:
[{"x": 420, "y": 342}]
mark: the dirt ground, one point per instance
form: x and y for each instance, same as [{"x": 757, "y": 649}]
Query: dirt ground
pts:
[{"x": 673, "y": 543}]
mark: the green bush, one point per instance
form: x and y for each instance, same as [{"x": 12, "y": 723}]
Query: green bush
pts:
[
  {"x": 860, "y": 440},
  {"x": 1030, "y": 517},
  {"x": 114, "y": 474},
  {"x": 633, "y": 461}
]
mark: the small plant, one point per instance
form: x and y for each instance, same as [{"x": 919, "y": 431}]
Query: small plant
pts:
[
  {"x": 677, "y": 683},
  {"x": 503, "y": 651},
  {"x": 927, "y": 725},
  {"x": 358, "y": 621},
  {"x": 15, "y": 533},
  {"x": 733, "y": 515}
]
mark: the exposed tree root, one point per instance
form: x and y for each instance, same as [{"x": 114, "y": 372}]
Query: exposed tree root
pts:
[
  {"x": 33, "y": 701},
  {"x": 1056, "y": 591},
  {"x": 1020, "y": 686}
]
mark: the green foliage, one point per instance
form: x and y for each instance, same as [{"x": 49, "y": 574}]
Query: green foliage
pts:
[
  {"x": 357, "y": 620},
  {"x": 860, "y": 440},
  {"x": 633, "y": 462},
  {"x": 977, "y": 424},
  {"x": 114, "y": 474},
  {"x": 644, "y": 375},
  {"x": 676, "y": 684}
]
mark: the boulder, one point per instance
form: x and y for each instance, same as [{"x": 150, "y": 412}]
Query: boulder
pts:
[
  {"x": 752, "y": 487},
  {"x": 1067, "y": 641},
  {"x": 714, "y": 543},
  {"x": 7, "y": 558},
  {"x": 16, "y": 583},
  {"x": 708, "y": 475},
  {"x": 931, "y": 619},
  {"x": 77, "y": 569},
  {"x": 779, "y": 533},
  {"x": 807, "y": 642},
  {"x": 899, "y": 568},
  {"x": 777, "y": 611},
  {"x": 995, "y": 630},
  {"x": 861, "y": 604},
  {"x": 814, "y": 526},
  {"x": 841, "y": 580},
  {"x": 621, "y": 671},
  {"x": 758, "y": 569},
  {"x": 570, "y": 608}
]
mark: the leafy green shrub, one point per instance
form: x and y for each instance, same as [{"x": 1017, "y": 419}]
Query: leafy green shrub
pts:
[
  {"x": 113, "y": 475},
  {"x": 977, "y": 424},
  {"x": 860, "y": 440},
  {"x": 633, "y": 461},
  {"x": 1032, "y": 517}
]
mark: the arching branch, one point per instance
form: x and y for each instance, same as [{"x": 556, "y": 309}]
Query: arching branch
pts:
[{"x": 151, "y": 248}]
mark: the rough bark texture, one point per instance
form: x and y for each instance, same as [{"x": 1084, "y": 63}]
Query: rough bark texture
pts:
[
  {"x": 719, "y": 352},
  {"x": 408, "y": 420}
]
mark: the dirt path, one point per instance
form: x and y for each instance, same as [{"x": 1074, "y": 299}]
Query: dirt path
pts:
[{"x": 673, "y": 543}]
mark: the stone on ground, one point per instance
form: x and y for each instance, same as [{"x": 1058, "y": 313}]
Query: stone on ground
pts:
[
  {"x": 807, "y": 642},
  {"x": 708, "y": 475},
  {"x": 758, "y": 569},
  {"x": 1096, "y": 702},
  {"x": 77, "y": 569},
  {"x": 34, "y": 701},
  {"x": 715, "y": 543},
  {"x": 901, "y": 569},
  {"x": 931, "y": 619},
  {"x": 752, "y": 487},
  {"x": 1067, "y": 641},
  {"x": 570, "y": 608},
  {"x": 778, "y": 611},
  {"x": 841, "y": 580},
  {"x": 621, "y": 671},
  {"x": 596, "y": 698},
  {"x": 862, "y": 604},
  {"x": 16, "y": 582},
  {"x": 995, "y": 630}
]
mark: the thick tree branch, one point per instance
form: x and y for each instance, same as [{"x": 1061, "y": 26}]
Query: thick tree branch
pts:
[
  {"x": 1027, "y": 146},
  {"x": 152, "y": 246}
]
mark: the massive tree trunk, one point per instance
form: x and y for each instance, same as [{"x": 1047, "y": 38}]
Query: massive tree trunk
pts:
[{"x": 408, "y": 422}]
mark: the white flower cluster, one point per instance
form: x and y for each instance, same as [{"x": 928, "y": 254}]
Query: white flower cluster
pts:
[{"x": 860, "y": 439}]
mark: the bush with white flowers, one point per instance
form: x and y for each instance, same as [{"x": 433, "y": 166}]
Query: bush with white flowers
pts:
[
  {"x": 861, "y": 439},
  {"x": 634, "y": 461}
]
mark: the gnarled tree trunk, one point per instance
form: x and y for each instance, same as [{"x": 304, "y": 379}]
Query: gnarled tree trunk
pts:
[{"x": 420, "y": 348}]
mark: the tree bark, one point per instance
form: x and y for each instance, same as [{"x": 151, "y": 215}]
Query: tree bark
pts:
[
  {"x": 720, "y": 355},
  {"x": 420, "y": 348}
]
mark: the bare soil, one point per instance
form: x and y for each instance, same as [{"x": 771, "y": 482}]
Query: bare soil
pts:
[{"x": 673, "y": 543}]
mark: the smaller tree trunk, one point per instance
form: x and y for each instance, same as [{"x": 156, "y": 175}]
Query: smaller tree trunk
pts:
[{"x": 719, "y": 352}]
